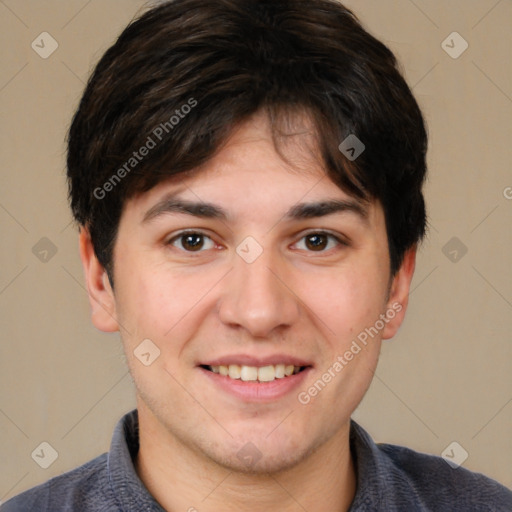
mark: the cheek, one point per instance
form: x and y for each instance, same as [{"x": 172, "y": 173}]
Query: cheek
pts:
[
  {"x": 161, "y": 304},
  {"x": 346, "y": 302}
]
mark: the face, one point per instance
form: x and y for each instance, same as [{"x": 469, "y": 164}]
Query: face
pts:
[{"x": 262, "y": 271}]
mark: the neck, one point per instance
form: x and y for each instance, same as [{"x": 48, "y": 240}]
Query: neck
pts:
[{"x": 182, "y": 479}]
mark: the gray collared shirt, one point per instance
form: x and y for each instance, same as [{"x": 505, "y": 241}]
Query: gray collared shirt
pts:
[{"x": 389, "y": 478}]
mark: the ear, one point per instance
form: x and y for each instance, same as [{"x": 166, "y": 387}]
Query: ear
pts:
[
  {"x": 399, "y": 294},
  {"x": 101, "y": 295}
]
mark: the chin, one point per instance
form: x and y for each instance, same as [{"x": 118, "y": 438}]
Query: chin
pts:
[
  {"x": 262, "y": 454},
  {"x": 251, "y": 461}
]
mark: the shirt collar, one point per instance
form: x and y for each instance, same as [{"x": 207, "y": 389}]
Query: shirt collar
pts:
[
  {"x": 131, "y": 494},
  {"x": 372, "y": 469}
]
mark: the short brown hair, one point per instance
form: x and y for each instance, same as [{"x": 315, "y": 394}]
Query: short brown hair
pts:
[{"x": 196, "y": 69}]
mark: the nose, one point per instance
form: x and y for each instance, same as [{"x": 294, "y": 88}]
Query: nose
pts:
[{"x": 257, "y": 298}]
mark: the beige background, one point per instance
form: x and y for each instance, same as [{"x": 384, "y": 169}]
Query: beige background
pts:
[{"x": 446, "y": 376}]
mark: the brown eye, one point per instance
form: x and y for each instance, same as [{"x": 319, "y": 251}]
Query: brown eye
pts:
[
  {"x": 316, "y": 242},
  {"x": 192, "y": 242},
  {"x": 319, "y": 241}
]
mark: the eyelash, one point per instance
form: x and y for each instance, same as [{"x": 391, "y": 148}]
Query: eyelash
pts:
[
  {"x": 329, "y": 235},
  {"x": 183, "y": 234}
]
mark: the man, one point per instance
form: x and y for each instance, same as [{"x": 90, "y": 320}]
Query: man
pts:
[{"x": 247, "y": 176}]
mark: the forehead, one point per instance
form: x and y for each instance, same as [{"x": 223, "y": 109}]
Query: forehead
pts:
[
  {"x": 252, "y": 151},
  {"x": 252, "y": 177}
]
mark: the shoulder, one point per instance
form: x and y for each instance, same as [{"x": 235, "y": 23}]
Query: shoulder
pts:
[
  {"x": 83, "y": 488},
  {"x": 394, "y": 478},
  {"x": 443, "y": 487}
]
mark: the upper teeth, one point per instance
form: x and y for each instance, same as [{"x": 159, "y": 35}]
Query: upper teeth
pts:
[{"x": 263, "y": 373}]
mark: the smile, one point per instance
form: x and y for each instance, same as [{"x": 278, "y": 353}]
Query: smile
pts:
[
  {"x": 259, "y": 382},
  {"x": 266, "y": 373}
]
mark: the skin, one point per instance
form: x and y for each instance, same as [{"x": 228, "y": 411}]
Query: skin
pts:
[{"x": 296, "y": 299}]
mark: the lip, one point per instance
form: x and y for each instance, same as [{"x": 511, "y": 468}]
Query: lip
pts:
[
  {"x": 254, "y": 391},
  {"x": 248, "y": 360}
]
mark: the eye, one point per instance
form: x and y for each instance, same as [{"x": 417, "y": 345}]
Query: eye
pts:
[
  {"x": 319, "y": 242},
  {"x": 192, "y": 242}
]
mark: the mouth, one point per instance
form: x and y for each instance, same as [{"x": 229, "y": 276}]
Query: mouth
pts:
[
  {"x": 257, "y": 380},
  {"x": 267, "y": 373}
]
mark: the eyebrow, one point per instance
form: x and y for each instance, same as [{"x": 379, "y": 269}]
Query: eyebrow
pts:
[
  {"x": 301, "y": 211},
  {"x": 323, "y": 208},
  {"x": 171, "y": 204}
]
